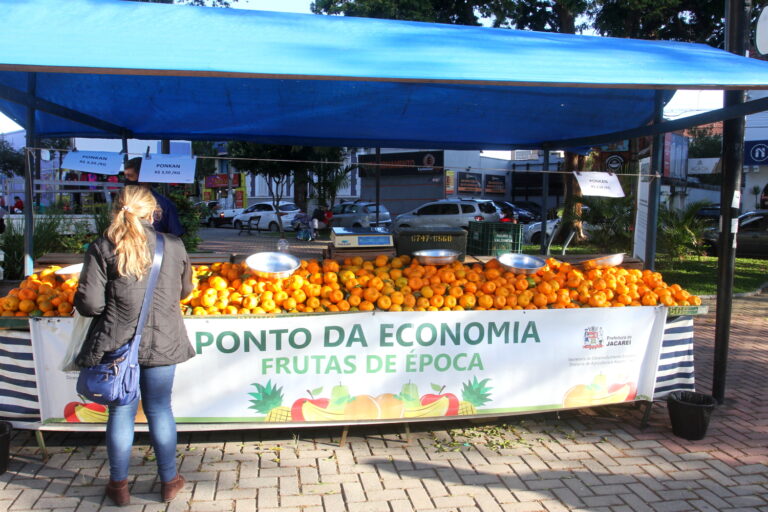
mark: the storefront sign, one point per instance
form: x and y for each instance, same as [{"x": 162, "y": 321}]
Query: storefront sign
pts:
[
  {"x": 98, "y": 162},
  {"x": 469, "y": 183},
  {"x": 220, "y": 181},
  {"x": 403, "y": 164},
  {"x": 450, "y": 182},
  {"x": 495, "y": 184},
  {"x": 756, "y": 152},
  {"x": 168, "y": 169},
  {"x": 388, "y": 366},
  {"x": 599, "y": 184}
]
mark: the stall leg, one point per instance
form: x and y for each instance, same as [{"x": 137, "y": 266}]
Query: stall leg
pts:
[
  {"x": 646, "y": 414},
  {"x": 41, "y": 444},
  {"x": 343, "y": 439},
  {"x": 407, "y": 433}
]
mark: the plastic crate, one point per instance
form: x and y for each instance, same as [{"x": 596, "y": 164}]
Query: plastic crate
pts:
[
  {"x": 494, "y": 238},
  {"x": 409, "y": 240}
]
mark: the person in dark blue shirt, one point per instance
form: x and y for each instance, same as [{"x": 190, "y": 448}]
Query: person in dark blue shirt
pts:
[{"x": 168, "y": 220}]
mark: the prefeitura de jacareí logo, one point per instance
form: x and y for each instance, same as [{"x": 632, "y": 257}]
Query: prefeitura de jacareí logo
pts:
[{"x": 593, "y": 337}]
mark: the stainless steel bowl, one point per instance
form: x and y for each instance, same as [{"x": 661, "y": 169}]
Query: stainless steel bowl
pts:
[
  {"x": 273, "y": 264},
  {"x": 521, "y": 263},
  {"x": 72, "y": 271},
  {"x": 612, "y": 260},
  {"x": 436, "y": 256}
]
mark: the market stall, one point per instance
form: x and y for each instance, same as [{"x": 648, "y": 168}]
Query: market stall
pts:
[{"x": 418, "y": 85}]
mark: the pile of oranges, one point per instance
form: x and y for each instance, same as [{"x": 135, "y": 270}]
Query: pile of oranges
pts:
[
  {"x": 403, "y": 284},
  {"x": 387, "y": 284},
  {"x": 43, "y": 294}
]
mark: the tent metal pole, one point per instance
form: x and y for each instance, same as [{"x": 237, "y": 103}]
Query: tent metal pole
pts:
[
  {"x": 544, "y": 200},
  {"x": 378, "y": 183},
  {"x": 654, "y": 190},
  {"x": 29, "y": 182},
  {"x": 730, "y": 199}
]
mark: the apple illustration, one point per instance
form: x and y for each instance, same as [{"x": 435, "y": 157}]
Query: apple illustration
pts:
[
  {"x": 453, "y": 401},
  {"x": 632, "y": 389},
  {"x": 297, "y": 413}
]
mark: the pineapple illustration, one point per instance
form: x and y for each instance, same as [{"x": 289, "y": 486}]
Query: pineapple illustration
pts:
[
  {"x": 474, "y": 394},
  {"x": 268, "y": 400}
]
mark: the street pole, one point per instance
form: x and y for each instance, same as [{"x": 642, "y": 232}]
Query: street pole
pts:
[
  {"x": 654, "y": 188},
  {"x": 544, "y": 202},
  {"x": 29, "y": 182},
  {"x": 737, "y": 14},
  {"x": 378, "y": 183}
]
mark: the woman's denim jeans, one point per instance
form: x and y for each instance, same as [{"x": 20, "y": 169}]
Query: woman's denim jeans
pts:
[{"x": 156, "y": 384}]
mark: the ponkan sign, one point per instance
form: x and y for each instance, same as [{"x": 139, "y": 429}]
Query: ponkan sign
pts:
[
  {"x": 96, "y": 162},
  {"x": 168, "y": 169},
  {"x": 599, "y": 184}
]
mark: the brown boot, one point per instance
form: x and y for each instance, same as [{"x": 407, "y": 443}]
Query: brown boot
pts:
[
  {"x": 169, "y": 490},
  {"x": 118, "y": 492}
]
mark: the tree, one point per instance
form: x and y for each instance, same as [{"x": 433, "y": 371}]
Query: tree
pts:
[
  {"x": 11, "y": 159},
  {"x": 704, "y": 143},
  {"x": 459, "y": 12},
  {"x": 210, "y": 3}
]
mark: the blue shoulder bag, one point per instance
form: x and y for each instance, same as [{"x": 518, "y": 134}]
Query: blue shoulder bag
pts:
[{"x": 115, "y": 380}]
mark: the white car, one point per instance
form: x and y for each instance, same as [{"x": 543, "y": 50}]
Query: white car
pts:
[
  {"x": 266, "y": 210},
  {"x": 532, "y": 231},
  {"x": 454, "y": 213}
]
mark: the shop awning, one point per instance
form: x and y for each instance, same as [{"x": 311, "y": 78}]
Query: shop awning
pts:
[{"x": 96, "y": 68}]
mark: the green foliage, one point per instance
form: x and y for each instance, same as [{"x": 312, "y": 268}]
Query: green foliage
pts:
[
  {"x": 266, "y": 397},
  {"x": 699, "y": 275},
  {"x": 102, "y": 217},
  {"x": 461, "y": 12},
  {"x": 204, "y": 166},
  {"x": 11, "y": 159},
  {"x": 609, "y": 222},
  {"x": 680, "y": 232},
  {"x": 704, "y": 144},
  {"x": 46, "y": 239},
  {"x": 189, "y": 218},
  {"x": 478, "y": 393}
]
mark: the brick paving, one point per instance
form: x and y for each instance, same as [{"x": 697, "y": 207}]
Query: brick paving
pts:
[{"x": 590, "y": 460}]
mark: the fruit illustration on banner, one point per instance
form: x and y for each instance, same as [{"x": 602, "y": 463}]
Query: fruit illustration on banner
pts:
[
  {"x": 599, "y": 392},
  {"x": 474, "y": 394},
  {"x": 453, "y": 400},
  {"x": 344, "y": 407},
  {"x": 297, "y": 409},
  {"x": 85, "y": 412}
]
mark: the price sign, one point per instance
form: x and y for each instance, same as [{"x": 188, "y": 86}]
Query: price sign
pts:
[
  {"x": 168, "y": 169},
  {"x": 97, "y": 162},
  {"x": 599, "y": 184}
]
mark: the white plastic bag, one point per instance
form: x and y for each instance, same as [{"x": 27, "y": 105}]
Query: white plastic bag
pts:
[{"x": 80, "y": 328}]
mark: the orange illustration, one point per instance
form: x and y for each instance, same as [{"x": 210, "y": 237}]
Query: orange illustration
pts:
[{"x": 599, "y": 393}]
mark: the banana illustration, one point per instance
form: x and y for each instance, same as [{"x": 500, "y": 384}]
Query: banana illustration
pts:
[
  {"x": 436, "y": 408},
  {"x": 87, "y": 415}
]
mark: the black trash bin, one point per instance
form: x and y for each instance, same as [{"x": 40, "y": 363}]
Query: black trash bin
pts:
[
  {"x": 689, "y": 413},
  {"x": 5, "y": 445}
]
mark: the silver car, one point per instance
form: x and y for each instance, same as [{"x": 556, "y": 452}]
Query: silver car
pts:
[
  {"x": 359, "y": 214},
  {"x": 449, "y": 213}
]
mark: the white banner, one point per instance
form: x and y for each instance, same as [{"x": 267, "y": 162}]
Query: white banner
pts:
[
  {"x": 168, "y": 169},
  {"x": 97, "y": 162},
  {"x": 599, "y": 184},
  {"x": 341, "y": 368}
]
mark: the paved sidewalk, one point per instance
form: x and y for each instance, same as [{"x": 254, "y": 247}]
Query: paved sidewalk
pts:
[{"x": 593, "y": 459}]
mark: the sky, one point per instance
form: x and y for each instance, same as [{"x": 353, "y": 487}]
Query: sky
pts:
[{"x": 685, "y": 103}]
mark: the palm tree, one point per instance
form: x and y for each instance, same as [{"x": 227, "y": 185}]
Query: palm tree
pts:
[{"x": 680, "y": 232}]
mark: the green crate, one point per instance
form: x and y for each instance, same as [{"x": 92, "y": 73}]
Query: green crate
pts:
[{"x": 494, "y": 238}]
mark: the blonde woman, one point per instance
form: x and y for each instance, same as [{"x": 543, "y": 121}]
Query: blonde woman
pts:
[{"x": 111, "y": 290}]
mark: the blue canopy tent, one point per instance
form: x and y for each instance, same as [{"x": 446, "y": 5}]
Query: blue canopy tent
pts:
[{"x": 96, "y": 68}]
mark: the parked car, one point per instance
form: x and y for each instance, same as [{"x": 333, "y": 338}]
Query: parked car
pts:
[
  {"x": 513, "y": 212},
  {"x": 359, "y": 214},
  {"x": 534, "y": 208},
  {"x": 710, "y": 214},
  {"x": 213, "y": 213},
  {"x": 532, "y": 231},
  {"x": 266, "y": 210},
  {"x": 751, "y": 239},
  {"x": 448, "y": 213}
]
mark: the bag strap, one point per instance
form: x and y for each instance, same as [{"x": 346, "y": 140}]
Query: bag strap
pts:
[{"x": 145, "y": 305}]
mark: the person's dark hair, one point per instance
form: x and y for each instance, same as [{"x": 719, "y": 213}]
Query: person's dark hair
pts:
[
  {"x": 133, "y": 163},
  {"x": 16, "y": 197}
]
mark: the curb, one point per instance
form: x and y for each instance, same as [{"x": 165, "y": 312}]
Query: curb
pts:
[{"x": 763, "y": 288}]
